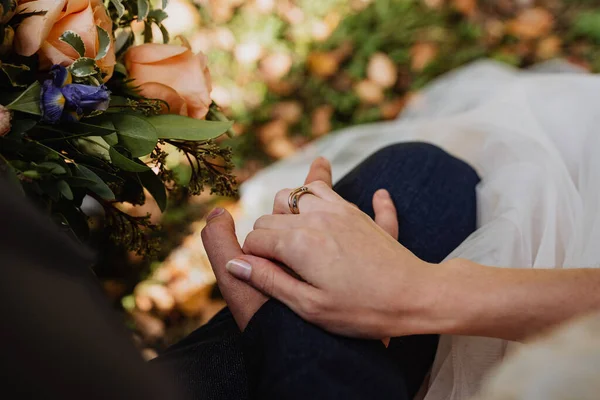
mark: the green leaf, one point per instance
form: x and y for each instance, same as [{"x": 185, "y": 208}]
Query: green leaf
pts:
[
  {"x": 94, "y": 146},
  {"x": 143, "y": 9},
  {"x": 111, "y": 139},
  {"x": 20, "y": 126},
  {"x": 136, "y": 134},
  {"x": 65, "y": 190},
  {"x": 29, "y": 100},
  {"x": 119, "y": 7},
  {"x": 83, "y": 67},
  {"x": 53, "y": 168},
  {"x": 9, "y": 173},
  {"x": 156, "y": 187},
  {"x": 74, "y": 40},
  {"x": 98, "y": 186},
  {"x": 103, "y": 43},
  {"x": 120, "y": 161},
  {"x": 157, "y": 15},
  {"x": 171, "y": 126},
  {"x": 123, "y": 39}
]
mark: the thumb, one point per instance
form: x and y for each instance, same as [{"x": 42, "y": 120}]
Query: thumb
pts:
[
  {"x": 271, "y": 279},
  {"x": 385, "y": 212},
  {"x": 221, "y": 244}
]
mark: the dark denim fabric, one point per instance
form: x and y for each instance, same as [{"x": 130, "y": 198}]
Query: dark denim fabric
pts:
[{"x": 280, "y": 356}]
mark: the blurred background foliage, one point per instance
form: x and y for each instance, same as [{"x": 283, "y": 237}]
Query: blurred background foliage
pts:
[{"x": 290, "y": 71}]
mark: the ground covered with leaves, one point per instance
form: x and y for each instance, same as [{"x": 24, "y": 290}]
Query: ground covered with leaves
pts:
[{"x": 291, "y": 71}]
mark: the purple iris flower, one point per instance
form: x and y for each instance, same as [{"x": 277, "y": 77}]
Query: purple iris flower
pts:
[{"x": 63, "y": 100}]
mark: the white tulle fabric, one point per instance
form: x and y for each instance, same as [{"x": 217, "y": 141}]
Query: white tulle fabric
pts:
[{"x": 534, "y": 139}]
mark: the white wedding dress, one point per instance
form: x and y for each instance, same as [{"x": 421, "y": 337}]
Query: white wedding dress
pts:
[{"x": 534, "y": 139}]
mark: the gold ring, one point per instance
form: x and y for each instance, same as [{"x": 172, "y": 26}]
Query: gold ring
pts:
[{"x": 295, "y": 198}]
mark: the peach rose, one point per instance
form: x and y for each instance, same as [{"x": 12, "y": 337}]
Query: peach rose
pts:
[
  {"x": 173, "y": 74},
  {"x": 40, "y": 34}
]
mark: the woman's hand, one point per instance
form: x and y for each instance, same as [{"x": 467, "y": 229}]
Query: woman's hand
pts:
[
  {"x": 356, "y": 279},
  {"x": 221, "y": 246}
]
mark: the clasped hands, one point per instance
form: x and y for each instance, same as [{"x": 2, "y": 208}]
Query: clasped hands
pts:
[{"x": 349, "y": 275}]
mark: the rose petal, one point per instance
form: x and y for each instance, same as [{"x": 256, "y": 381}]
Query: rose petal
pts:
[
  {"x": 190, "y": 80},
  {"x": 50, "y": 56},
  {"x": 155, "y": 90},
  {"x": 75, "y": 6},
  {"x": 32, "y": 32},
  {"x": 152, "y": 52}
]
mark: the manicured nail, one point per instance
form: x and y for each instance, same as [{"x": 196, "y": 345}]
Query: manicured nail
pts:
[
  {"x": 217, "y": 211},
  {"x": 240, "y": 269}
]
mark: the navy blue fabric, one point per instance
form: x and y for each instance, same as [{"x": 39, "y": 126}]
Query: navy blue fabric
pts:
[{"x": 280, "y": 356}]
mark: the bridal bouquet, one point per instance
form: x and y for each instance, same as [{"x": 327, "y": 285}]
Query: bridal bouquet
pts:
[{"x": 85, "y": 113}]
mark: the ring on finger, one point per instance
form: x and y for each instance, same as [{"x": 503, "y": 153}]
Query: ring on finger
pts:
[{"x": 294, "y": 198}]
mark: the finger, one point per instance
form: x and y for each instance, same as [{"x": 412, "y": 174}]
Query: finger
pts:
[
  {"x": 270, "y": 279},
  {"x": 221, "y": 245},
  {"x": 317, "y": 200},
  {"x": 270, "y": 243},
  {"x": 320, "y": 170},
  {"x": 385, "y": 212},
  {"x": 280, "y": 221}
]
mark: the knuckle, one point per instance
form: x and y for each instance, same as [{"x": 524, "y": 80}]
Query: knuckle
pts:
[
  {"x": 319, "y": 184},
  {"x": 282, "y": 195},
  {"x": 247, "y": 247},
  {"x": 260, "y": 222}
]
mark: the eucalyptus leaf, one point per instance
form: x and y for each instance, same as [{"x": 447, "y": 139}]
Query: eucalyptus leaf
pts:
[
  {"x": 94, "y": 146},
  {"x": 74, "y": 40},
  {"x": 83, "y": 67},
  {"x": 111, "y": 139},
  {"x": 119, "y": 7},
  {"x": 157, "y": 15},
  {"x": 143, "y": 9},
  {"x": 53, "y": 168},
  {"x": 29, "y": 100},
  {"x": 136, "y": 134},
  {"x": 123, "y": 38},
  {"x": 65, "y": 190},
  {"x": 120, "y": 161},
  {"x": 98, "y": 186},
  {"x": 20, "y": 126},
  {"x": 156, "y": 187},
  {"x": 103, "y": 43},
  {"x": 172, "y": 126}
]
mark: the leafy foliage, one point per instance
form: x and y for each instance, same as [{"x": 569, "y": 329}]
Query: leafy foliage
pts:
[{"x": 105, "y": 141}]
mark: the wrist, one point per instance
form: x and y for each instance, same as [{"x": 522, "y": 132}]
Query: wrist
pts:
[{"x": 442, "y": 301}]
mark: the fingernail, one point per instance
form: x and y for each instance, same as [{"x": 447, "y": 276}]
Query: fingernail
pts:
[
  {"x": 240, "y": 269},
  {"x": 217, "y": 211},
  {"x": 382, "y": 193}
]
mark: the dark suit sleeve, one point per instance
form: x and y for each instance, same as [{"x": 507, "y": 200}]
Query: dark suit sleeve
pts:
[
  {"x": 59, "y": 336},
  {"x": 288, "y": 358}
]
